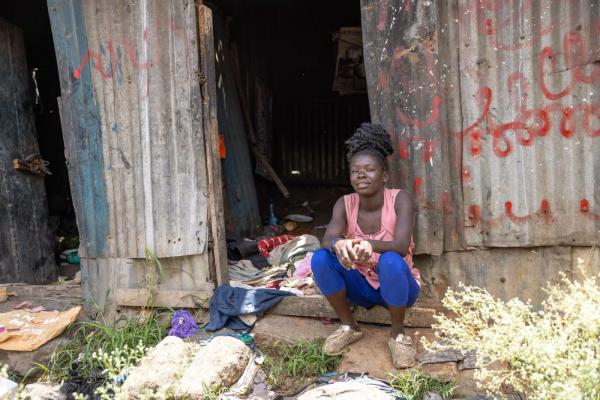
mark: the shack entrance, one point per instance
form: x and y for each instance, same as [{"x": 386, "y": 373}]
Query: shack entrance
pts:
[
  {"x": 38, "y": 218},
  {"x": 293, "y": 71}
]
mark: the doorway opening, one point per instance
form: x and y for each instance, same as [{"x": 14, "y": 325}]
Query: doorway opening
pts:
[
  {"x": 291, "y": 88},
  {"x": 32, "y": 19},
  {"x": 303, "y": 78}
]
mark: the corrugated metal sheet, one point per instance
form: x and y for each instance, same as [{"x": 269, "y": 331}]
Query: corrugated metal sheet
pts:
[
  {"x": 238, "y": 171},
  {"x": 530, "y": 91},
  {"x": 413, "y": 94},
  {"x": 25, "y": 241},
  {"x": 309, "y": 136},
  {"x": 132, "y": 121},
  {"x": 496, "y": 101}
]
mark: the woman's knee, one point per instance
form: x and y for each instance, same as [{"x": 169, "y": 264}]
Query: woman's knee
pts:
[
  {"x": 391, "y": 262},
  {"x": 321, "y": 261}
]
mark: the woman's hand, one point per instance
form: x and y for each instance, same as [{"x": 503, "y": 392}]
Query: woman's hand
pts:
[
  {"x": 363, "y": 250},
  {"x": 344, "y": 250}
]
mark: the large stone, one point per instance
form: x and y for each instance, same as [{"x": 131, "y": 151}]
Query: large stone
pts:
[
  {"x": 160, "y": 368},
  {"x": 21, "y": 362},
  {"x": 43, "y": 391},
  {"x": 221, "y": 362}
]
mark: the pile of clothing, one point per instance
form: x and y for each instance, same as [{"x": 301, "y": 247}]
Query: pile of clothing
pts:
[{"x": 278, "y": 262}]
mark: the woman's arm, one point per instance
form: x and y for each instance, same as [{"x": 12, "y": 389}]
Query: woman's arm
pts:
[
  {"x": 404, "y": 225},
  {"x": 343, "y": 248},
  {"x": 337, "y": 225}
]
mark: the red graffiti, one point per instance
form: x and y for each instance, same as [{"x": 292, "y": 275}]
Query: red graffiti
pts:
[
  {"x": 584, "y": 207},
  {"x": 509, "y": 213},
  {"x": 403, "y": 149},
  {"x": 131, "y": 50},
  {"x": 574, "y": 56},
  {"x": 417, "y": 185},
  {"x": 466, "y": 174},
  {"x": 436, "y": 103}
]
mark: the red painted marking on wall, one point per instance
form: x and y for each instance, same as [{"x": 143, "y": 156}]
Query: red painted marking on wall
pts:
[
  {"x": 545, "y": 213},
  {"x": 489, "y": 26},
  {"x": 466, "y": 174},
  {"x": 574, "y": 53},
  {"x": 509, "y": 213},
  {"x": 436, "y": 103},
  {"x": 403, "y": 149},
  {"x": 417, "y": 185},
  {"x": 567, "y": 127},
  {"x": 85, "y": 59},
  {"x": 428, "y": 151},
  {"x": 475, "y": 214},
  {"x": 584, "y": 207},
  {"x": 408, "y": 6},
  {"x": 475, "y": 147}
]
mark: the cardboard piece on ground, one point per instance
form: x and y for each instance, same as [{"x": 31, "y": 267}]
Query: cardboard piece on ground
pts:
[{"x": 27, "y": 331}]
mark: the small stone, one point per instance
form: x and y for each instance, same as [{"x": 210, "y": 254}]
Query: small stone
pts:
[
  {"x": 470, "y": 362},
  {"x": 43, "y": 391},
  {"x": 432, "y": 396},
  {"x": 260, "y": 391},
  {"x": 260, "y": 376},
  {"x": 428, "y": 357}
]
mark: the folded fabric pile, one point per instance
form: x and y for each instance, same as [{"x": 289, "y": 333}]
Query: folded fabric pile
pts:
[{"x": 280, "y": 262}]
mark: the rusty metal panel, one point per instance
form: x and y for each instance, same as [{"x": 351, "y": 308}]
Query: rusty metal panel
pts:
[
  {"x": 412, "y": 78},
  {"x": 530, "y": 94},
  {"x": 310, "y": 146},
  {"x": 506, "y": 273},
  {"x": 132, "y": 122},
  {"x": 25, "y": 240}
]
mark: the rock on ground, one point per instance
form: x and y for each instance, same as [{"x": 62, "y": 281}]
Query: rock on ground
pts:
[
  {"x": 43, "y": 391},
  {"x": 222, "y": 361},
  {"x": 160, "y": 368},
  {"x": 21, "y": 362}
]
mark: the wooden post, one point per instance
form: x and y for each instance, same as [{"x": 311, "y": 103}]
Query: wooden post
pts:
[{"x": 211, "y": 135}]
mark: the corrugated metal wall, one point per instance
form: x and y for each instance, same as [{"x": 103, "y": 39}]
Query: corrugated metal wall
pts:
[
  {"x": 132, "y": 118},
  {"x": 530, "y": 91},
  {"x": 496, "y": 102},
  {"x": 414, "y": 94},
  {"x": 25, "y": 240},
  {"x": 309, "y": 136},
  {"x": 131, "y": 100}
]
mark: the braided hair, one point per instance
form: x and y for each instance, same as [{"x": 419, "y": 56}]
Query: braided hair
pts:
[{"x": 371, "y": 139}]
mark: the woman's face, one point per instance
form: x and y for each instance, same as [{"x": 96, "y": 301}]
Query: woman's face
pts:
[{"x": 367, "y": 176}]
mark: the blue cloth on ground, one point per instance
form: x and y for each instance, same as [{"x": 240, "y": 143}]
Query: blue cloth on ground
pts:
[{"x": 228, "y": 302}]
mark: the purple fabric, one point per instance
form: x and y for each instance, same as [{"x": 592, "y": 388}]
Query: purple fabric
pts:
[{"x": 183, "y": 324}]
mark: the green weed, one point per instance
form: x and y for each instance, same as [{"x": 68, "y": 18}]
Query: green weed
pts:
[
  {"x": 299, "y": 361},
  {"x": 92, "y": 337},
  {"x": 414, "y": 384},
  {"x": 213, "y": 392}
]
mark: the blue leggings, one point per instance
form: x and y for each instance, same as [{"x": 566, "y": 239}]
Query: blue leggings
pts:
[{"x": 398, "y": 286}]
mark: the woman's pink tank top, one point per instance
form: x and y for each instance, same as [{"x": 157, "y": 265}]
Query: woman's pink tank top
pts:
[{"x": 386, "y": 233}]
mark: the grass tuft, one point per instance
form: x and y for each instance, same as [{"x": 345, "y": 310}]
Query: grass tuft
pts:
[
  {"x": 299, "y": 361},
  {"x": 90, "y": 337},
  {"x": 213, "y": 392},
  {"x": 415, "y": 384}
]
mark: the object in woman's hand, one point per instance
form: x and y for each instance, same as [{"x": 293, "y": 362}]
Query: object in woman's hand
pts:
[
  {"x": 344, "y": 250},
  {"x": 363, "y": 251}
]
